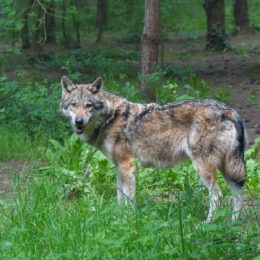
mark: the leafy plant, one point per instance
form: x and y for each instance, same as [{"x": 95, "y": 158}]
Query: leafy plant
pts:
[
  {"x": 31, "y": 104},
  {"x": 253, "y": 150},
  {"x": 253, "y": 167},
  {"x": 171, "y": 89},
  {"x": 83, "y": 169},
  {"x": 103, "y": 62}
]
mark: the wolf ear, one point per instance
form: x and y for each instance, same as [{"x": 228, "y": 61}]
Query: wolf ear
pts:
[
  {"x": 96, "y": 85},
  {"x": 67, "y": 84}
]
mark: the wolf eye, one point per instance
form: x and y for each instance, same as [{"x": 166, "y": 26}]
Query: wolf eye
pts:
[{"x": 73, "y": 103}]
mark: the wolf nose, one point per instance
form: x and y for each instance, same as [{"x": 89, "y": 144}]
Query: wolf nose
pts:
[{"x": 79, "y": 121}]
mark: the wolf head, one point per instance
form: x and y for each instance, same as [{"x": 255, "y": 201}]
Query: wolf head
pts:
[{"x": 85, "y": 105}]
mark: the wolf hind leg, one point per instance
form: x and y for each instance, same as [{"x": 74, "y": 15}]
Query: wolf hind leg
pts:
[
  {"x": 235, "y": 175},
  {"x": 126, "y": 182},
  {"x": 237, "y": 197},
  {"x": 207, "y": 173}
]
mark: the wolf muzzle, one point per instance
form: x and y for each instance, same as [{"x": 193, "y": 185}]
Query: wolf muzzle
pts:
[{"x": 79, "y": 123}]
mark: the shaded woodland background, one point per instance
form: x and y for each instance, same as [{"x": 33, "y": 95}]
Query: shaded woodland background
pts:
[
  {"x": 35, "y": 23},
  {"x": 138, "y": 45}
]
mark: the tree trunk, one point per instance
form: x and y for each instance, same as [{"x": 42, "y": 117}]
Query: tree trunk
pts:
[
  {"x": 150, "y": 44},
  {"x": 38, "y": 35},
  {"x": 65, "y": 33},
  {"x": 241, "y": 15},
  {"x": 50, "y": 23},
  {"x": 216, "y": 37},
  {"x": 14, "y": 33},
  {"x": 77, "y": 27},
  {"x": 76, "y": 22},
  {"x": 63, "y": 23},
  {"x": 101, "y": 18},
  {"x": 25, "y": 30}
]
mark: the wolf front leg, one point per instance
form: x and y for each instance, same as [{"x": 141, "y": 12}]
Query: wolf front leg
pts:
[{"x": 126, "y": 181}]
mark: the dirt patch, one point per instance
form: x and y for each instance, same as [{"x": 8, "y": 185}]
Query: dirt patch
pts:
[
  {"x": 231, "y": 72},
  {"x": 238, "y": 71},
  {"x": 8, "y": 171}
]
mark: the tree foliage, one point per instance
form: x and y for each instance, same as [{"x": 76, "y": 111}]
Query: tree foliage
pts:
[{"x": 33, "y": 22}]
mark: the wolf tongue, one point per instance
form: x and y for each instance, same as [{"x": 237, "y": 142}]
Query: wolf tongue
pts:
[{"x": 79, "y": 130}]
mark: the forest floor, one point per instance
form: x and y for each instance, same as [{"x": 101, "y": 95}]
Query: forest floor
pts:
[{"x": 238, "y": 71}]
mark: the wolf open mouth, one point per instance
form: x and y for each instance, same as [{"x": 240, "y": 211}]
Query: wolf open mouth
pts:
[{"x": 79, "y": 129}]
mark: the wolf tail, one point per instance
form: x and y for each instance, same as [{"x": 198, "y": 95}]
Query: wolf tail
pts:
[
  {"x": 241, "y": 134},
  {"x": 236, "y": 154},
  {"x": 234, "y": 169}
]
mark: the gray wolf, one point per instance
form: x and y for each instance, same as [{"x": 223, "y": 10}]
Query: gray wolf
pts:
[{"x": 209, "y": 133}]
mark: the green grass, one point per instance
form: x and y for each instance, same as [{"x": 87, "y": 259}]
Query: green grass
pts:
[
  {"x": 253, "y": 69},
  {"x": 15, "y": 144},
  {"x": 42, "y": 225},
  {"x": 45, "y": 222}
]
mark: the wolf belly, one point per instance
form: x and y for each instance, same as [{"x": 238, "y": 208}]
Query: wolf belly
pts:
[{"x": 154, "y": 152}]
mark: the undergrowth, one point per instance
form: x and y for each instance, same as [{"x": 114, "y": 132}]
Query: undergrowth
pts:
[{"x": 68, "y": 211}]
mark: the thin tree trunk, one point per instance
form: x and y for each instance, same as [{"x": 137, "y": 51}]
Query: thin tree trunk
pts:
[
  {"x": 25, "y": 30},
  {"x": 76, "y": 23},
  {"x": 38, "y": 35},
  {"x": 14, "y": 33},
  {"x": 216, "y": 37},
  {"x": 150, "y": 44},
  {"x": 101, "y": 18},
  {"x": 77, "y": 27},
  {"x": 241, "y": 15},
  {"x": 50, "y": 23},
  {"x": 63, "y": 21}
]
